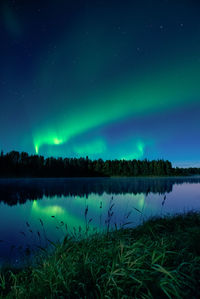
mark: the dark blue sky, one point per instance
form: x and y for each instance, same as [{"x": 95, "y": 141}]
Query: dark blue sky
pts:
[{"x": 109, "y": 79}]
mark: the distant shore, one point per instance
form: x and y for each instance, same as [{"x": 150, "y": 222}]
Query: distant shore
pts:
[{"x": 16, "y": 164}]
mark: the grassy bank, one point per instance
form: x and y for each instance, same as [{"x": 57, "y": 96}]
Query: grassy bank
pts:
[{"x": 160, "y": 259}]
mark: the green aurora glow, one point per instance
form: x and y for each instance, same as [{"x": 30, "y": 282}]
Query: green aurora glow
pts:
[
  {"x": 167, "y": 89},
  {"x": 84, "y": 78}
]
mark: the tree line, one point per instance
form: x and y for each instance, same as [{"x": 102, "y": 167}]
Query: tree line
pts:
[{"x": 16, "y": 164}]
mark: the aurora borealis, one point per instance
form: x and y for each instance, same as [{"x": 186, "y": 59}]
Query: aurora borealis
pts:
[{"x": 104, "y": 79}]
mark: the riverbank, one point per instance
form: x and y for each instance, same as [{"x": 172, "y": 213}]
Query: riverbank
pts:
[{"x": 160, "y": 259}]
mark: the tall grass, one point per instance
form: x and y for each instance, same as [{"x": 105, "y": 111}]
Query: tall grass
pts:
[{"x": 159, "y": 259}]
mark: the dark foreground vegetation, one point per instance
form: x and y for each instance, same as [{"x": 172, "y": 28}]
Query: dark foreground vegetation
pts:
[
  {"x": 160, "y": 259},
  {"x": 15, "y": 164}
]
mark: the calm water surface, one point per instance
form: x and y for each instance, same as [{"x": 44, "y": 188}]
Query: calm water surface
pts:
[{"x": 35, "y": 210}]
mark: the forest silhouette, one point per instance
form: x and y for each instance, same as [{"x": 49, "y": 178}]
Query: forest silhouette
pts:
[{"x": 16, "y": 164}]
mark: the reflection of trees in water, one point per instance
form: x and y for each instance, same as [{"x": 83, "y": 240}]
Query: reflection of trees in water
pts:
[{"x": 21, "y": 190}]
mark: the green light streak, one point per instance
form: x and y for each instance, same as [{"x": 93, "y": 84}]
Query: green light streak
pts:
[
  {"x": 50, "y": 139},
  {"x": 36, "y": 149},
  {"x": 166, "y": 89},
  {"x": 137, "y": 153},
  {"x": 57, "y": 141}
]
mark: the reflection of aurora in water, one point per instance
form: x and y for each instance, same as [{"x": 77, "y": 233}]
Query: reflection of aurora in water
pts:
[
  {"x": 20, "y": 190},
  {"x": 47, "y": 211},
  {"x": 71, "y": 211},
  {"x": 67, "y": 200}
]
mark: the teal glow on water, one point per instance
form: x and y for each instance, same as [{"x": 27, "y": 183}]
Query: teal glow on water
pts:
[{"x": 34, "y": 211}]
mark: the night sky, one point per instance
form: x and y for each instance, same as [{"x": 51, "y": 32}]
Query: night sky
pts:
[{"x": 102, "y": 78}]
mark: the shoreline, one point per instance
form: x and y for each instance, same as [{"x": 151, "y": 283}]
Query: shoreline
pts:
[
  {"x": 158, "y": 259},
  {"x": 103, "y": 177}
]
